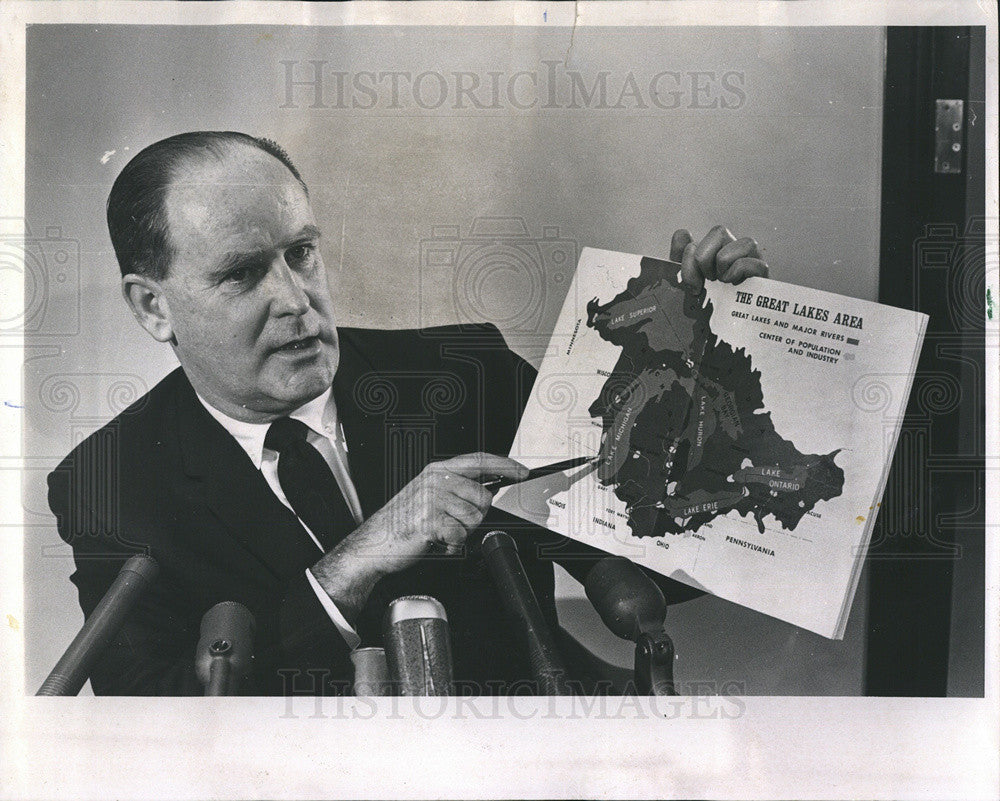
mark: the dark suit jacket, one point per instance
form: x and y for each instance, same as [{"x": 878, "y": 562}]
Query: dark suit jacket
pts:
[{"x": 164, "y": 478}]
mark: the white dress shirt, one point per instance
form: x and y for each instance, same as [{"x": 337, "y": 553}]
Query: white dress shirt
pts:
[{"x": 327, "y": 436}]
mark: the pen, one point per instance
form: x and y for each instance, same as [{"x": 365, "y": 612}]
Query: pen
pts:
[{"x": 537, "y": 472}]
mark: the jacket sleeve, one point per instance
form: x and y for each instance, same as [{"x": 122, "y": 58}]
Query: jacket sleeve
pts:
[
  {"x": 148, "y": 654},
  {"x": 301, "y": 651},
  {"x": 297, "y": 648}
]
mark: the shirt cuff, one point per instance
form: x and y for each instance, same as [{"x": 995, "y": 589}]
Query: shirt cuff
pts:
[{"x": 349, "y": 634}]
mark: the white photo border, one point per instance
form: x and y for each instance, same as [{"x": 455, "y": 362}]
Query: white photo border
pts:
[{"x": 749, "y": 747}]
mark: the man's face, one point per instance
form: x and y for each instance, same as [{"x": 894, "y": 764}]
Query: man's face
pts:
[{"x": 246, "y": 292}]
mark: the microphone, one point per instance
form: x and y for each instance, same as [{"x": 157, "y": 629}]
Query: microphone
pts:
[
  {"x": 628, "y": 600},
  {"x": 504, "y": 565},
  {"x": 418, "y": 647},
  {"x": 224, "y": 654},
  {"x": 633, "y": 608},
  {"x": 100, "y": 628},
  {"x": 371, "y": 672}
]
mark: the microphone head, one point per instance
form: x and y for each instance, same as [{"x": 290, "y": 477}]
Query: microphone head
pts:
[
  {"x": 227, "y": 630},
  {"x": 145, "y": 567},
  {"x": 495, "y": 540},
  {"x": 418, "y": 646},
  {"x": 415, "y": 607},
  {"x": 628, "y": 600}
]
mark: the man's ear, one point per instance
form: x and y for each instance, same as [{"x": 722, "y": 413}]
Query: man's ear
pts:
[{"x": 149, "y": 305}]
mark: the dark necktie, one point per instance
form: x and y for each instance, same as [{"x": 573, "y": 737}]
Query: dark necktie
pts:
[{"x": 308, "y": 482}]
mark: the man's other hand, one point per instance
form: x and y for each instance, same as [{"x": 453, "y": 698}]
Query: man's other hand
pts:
[
  {"x": 437, "y": 509},
  {"x": 720, "y": 255}
]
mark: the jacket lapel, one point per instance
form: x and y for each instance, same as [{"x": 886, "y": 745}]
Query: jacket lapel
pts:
[
  {"x": 237, "y": 494},
  {"x": 252, "y": 514},
  {"x": 364, "y": 428}
]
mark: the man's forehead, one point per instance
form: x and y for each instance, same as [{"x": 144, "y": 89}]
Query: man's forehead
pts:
[
  {"x": 235, "y": 159},
  {"x": 244, "y": 195}
]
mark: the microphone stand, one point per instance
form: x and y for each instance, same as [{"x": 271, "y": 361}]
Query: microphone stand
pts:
[
  {"x": 518, "y": 598},
  {"x": 224, "y": 653},
  {"x": 654, "y": 664},
  {"x": 101, "y": 626},
  {"x": 221, "y": 679}
]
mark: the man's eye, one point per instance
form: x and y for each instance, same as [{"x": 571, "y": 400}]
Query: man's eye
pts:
[
  {"x": 300, "y": 253},
  {"x": 244, "y": 276},
  {"x": 238, "y": 276}
]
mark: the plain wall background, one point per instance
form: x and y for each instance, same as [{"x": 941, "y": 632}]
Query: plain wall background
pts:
[{"x": 793, "y": 161}]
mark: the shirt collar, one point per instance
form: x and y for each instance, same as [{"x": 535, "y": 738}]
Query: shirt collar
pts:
[{"x": 320, "y": 414}]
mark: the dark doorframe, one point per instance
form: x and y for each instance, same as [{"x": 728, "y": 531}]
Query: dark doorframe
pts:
[{"x": 932, "y": 260}]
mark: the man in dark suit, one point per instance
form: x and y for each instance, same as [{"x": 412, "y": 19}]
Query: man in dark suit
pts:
[{"x": 311, "y": 473}]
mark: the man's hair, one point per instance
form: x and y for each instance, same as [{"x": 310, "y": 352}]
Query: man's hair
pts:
[{"x": 137, "y": 219}]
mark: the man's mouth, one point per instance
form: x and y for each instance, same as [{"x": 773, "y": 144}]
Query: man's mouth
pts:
[{"x": 297, "y": 345}]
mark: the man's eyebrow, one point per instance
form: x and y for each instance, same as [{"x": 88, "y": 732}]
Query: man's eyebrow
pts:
[{"x": 309, "y": 231}]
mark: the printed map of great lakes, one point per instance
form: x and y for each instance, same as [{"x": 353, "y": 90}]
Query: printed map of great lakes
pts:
[{"x": 686, "y": 434}]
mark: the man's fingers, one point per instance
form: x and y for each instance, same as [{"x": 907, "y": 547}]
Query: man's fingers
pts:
[
  {"x": 743, "y": 269},
  {"x": 691, "y": 277},
  {"x": 451, "y": 533},
  {"x": 477, "y": 465},
  {"x": 709, "y": 247},
  {"x": 468, "y": 514},
  {"x": 469, "y": 491},
  {"x": 678, "y": 242},
  {"x": 744, "y": 247}
]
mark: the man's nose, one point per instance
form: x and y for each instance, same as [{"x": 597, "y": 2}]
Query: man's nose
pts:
[{"x": 287, "y": 293}]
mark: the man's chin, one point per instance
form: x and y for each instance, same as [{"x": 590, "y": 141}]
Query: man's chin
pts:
[{"x": 301, "y": 380}]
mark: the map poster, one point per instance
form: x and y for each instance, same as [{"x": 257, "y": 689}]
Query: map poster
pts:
[{"x": 740, "y": 436}]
